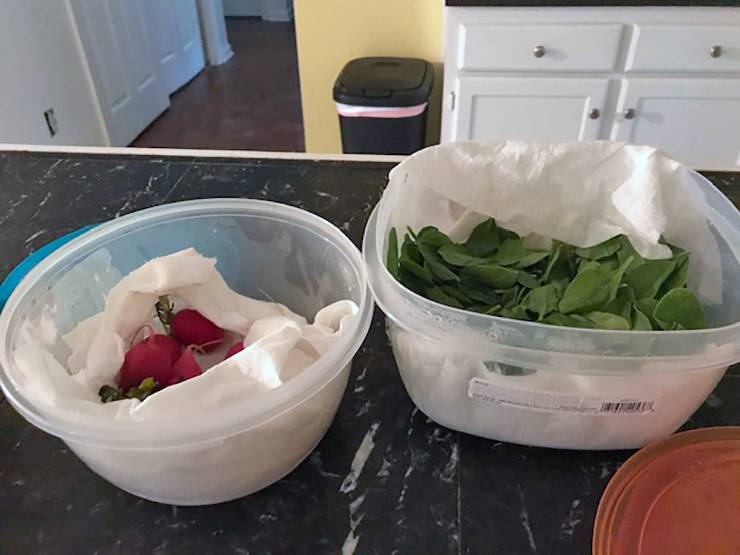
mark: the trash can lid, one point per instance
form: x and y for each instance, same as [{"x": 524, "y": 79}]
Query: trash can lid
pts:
[{"x": 384, "y": 82}]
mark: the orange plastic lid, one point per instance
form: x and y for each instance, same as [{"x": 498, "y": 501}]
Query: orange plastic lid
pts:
[{"x": 680, "y": 495}]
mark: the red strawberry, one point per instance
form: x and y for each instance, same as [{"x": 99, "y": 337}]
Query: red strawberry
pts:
[
  {"x": 186, "y": 366},
  {"x": 235, "y": 348},
  {"x": 166, "y": 342},
  {"x": 145, "y": 360},
  {"x": 190, "y": 327}
]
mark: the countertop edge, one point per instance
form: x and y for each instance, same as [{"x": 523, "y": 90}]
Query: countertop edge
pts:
[{"x": 201, "y": 153}]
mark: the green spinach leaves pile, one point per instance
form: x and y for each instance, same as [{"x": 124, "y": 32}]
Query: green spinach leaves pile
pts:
[{"x": 607, "y": 286}]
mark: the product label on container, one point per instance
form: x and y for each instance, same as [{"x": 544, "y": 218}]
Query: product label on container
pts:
[{"x": 551, "y": 401}]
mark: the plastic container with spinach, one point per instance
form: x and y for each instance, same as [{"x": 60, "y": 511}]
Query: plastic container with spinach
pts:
[{"x": 607, "y": 286}]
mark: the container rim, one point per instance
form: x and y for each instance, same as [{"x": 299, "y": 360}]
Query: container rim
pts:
[
  {"x": 232, "y": 420},
  {"x": 611, "y": 505},
  {"x": 377, "y": 270}
]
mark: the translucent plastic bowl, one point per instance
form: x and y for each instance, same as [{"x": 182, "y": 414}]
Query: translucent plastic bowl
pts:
[
  {"x": 263, "y": 250},
  {"x": 536, "y": 384}
]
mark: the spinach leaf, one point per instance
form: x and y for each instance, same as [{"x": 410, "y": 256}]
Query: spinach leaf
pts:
[
  {"x": 484, "y": 239},
  {"x": 521, "y": 293},
  {"x": 628, "y": 250},
  {"x": 509, "y": 297},
  {"x": 456, "y": 293},
  {"x": 619, "y": 306},
  {"x": 408, "y": 265},
  {"x": 436, "y": 294},
  {"x": 609, "y": 264},
  {"x": 479, "y": 292},
  {"x": 608, "y": 321},
  {"x": 531, "y": 258},
  {"x": 485, "y": 309},
  {"x": 456, "y": 255},
  {"x": 510, "y": 252},
  {"x": 494, "y": 275},
  {"x": 589, "y": 290},
  {"x": 432, "y": 236},
  {"x": 602, "y": 250},
  {"x": 571, "y": 321},
  {"x": 409, "y": 250},
  {"x": 626, "y": 292},
  {"x": 558, "y": 266},
  {"x": 435, "y": 264},
  {"x": 680, "y": 307},
  {"x": 561, "y": 285},
  {"x": 647, "y": 307},
  {"x": 647, "y": 278},
  {"x": 543, "y": 300},
  {"x": 678, "y": 277},
  {"x": 392, "y": 255},
  {"x": 640, "y": 322},
  {"x": 517, "y": 313},
  {"x": 527, "y": 280},
  {"x": 617, "y": 276},
  {"x": 586, "y": 264}
]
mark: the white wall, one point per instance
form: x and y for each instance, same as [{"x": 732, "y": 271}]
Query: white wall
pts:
[{"x": 41, "y": 67}]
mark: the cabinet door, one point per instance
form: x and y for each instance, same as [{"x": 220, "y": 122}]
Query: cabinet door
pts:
[
  {"x": 123, "y": 65},
  {"x": 696, "y": 121},
  {"x": 527, "y": 108}
]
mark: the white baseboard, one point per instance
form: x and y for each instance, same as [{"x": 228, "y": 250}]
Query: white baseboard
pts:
[{"x": 224, "y": 55}]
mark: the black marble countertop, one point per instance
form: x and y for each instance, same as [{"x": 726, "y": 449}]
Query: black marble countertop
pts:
[
  {"x": 584, "y": 3},
  {"x": 423, "y": 490}
]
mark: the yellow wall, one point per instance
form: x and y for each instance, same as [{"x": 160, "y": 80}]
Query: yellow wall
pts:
[{"x": 332, "y": 32}]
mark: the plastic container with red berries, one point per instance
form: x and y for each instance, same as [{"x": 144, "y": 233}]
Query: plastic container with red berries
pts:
[{"x": 263, "y": 250}]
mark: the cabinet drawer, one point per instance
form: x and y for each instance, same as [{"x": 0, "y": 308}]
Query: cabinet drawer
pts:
[
  {"x": 561, "y": 47},
  {"x": 685, "y": 48}
]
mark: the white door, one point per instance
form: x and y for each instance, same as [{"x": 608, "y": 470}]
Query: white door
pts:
[
  {"x": 123, "y": 63},
  {"x": 695, "y": 121},
  {"x": 526, "y": 108},
  {"x": 175, "y": 29}
]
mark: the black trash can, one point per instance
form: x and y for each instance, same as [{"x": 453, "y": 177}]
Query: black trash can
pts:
[{"x": 382, "y": 104}]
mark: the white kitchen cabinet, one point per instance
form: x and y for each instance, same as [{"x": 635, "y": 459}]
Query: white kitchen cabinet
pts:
[
  {"x": 682, "y": 116},
  {"x": 662, "y": 76},
  {"x": 529, "y": 108}
]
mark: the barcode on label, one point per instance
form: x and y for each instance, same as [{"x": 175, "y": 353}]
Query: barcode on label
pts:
[
  {"x": 529, "y": 398},
  {"x": 627, "y": 407}
]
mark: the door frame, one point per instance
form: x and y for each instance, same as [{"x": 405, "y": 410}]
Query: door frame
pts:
[{"x": 213, "y": 30}]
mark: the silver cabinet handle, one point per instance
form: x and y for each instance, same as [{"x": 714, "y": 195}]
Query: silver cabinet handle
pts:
[
  {"x": 538, "y": 51},
  {"x": 629, "y": 113},
  {"x": 715, "y": 51},
  {"x": 594, "y": 113}
]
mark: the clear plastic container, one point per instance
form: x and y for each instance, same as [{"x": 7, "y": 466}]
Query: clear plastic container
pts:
[
  {"x": 263, "y": 250},
  {"x": 536, "y": 384}
]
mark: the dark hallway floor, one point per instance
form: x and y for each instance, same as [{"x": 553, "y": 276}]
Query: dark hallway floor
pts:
[{"x": 252, "y": 102}]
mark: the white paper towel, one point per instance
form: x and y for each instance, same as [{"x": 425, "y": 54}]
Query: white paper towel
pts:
[
  {"x": 580, "y": 193},
  {"x": 279, "y": 344}
]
